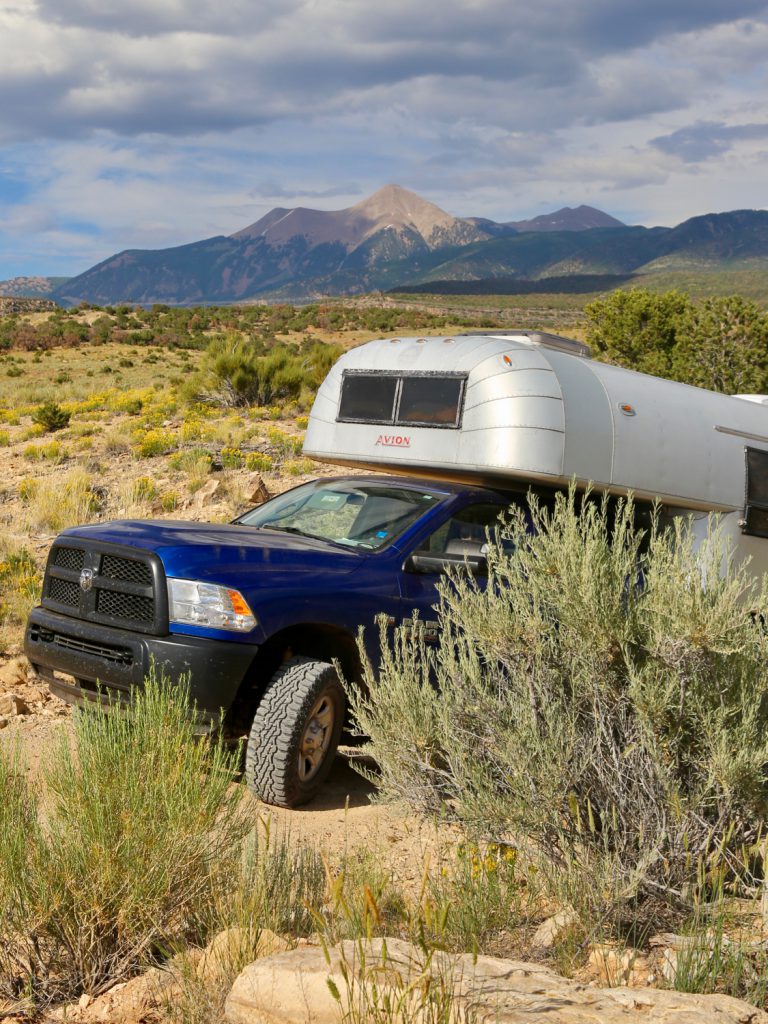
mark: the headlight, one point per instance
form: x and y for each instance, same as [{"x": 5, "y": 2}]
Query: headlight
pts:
[{"x": 207, "y": 604}]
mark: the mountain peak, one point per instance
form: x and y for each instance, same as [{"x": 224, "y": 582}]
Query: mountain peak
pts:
[
  {"x": 390, "y": 208},
  {"x": 396, "y": 207}
]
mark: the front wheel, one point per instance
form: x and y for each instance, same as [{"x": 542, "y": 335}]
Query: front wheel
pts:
[{"x": 295, "y": 732}]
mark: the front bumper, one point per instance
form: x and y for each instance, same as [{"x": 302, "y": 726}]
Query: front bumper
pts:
[{"x": 106, "y": 662}]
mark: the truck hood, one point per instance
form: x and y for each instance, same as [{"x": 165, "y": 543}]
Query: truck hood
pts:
[{"x": 221, "y": 553}]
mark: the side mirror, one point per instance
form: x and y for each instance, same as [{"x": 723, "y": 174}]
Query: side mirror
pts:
[{"x": 424, "y": 562}]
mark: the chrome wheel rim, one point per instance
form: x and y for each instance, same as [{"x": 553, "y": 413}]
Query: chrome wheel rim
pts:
[{"x": 316, "y": 738}]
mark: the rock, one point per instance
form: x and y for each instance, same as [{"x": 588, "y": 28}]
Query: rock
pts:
[
  {"x": 616, "y": 966},
  {"x": 259, "y": 493},
  {"x": 231, "y": 949},
  {"x": 137, "y": 1001},
  {"x": 14, "y": 673},
  {"x": 666, "y": 964},
  {"x": 11, "y": 705},
  {"x": 297, "y": 987},
  {"x": 3, "y": 723},
  {"x": 554, "y": 929},
  {"x": 207, "y": 493}
]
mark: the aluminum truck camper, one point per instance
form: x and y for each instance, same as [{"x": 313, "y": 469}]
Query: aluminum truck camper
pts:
[{"x": 509, "y": 409}]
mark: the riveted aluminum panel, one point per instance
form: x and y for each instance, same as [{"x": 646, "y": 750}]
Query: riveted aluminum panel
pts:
[
  {"x": 509, "y": 383},
  {"x": 515, "y": 411},
  {"x": 588, "y": 422},
  {"x": 507, "y": 358},
  {"x": 520, "y": 452}
]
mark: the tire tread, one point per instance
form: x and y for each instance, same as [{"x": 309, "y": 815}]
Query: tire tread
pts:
[{"x": 277, "y": 728}]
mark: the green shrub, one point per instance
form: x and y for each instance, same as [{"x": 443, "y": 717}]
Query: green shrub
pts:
[
  {"x": 50, "y": 416},
  {"x": 476, "y": 897},
  {"x": 300, "y": 467},
  {"x": 234, "y": 372},
  {"x": 619, "y": 729},
  {"x": 258, "y": 462},
  {"x": 232, "y": 457},
  {"x": 719, "y": 343},
  {"x": 154, "y": 441},
  {"x": 142, "y": 828},
  {"x": 170, "y": 501},
  {"x": 284, "y": 444},
  {"x": 54, "y": 452},
  {"x": 19, "y": 583}
]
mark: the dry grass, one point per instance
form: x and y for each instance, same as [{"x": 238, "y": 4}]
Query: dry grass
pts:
[{"x": 55, "y": 502}]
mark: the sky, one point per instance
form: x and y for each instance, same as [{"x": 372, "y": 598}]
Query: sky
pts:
[{"x": 151, "y": 123}]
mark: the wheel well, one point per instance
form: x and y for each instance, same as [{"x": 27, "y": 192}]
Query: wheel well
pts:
[{"x": 311, "y": 639}]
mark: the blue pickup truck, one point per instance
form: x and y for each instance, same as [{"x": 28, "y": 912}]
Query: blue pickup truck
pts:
[{"x": 256, "y": 613}]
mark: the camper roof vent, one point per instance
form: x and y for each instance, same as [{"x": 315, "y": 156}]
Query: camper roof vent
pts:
[{"x": 556, "y": 341}]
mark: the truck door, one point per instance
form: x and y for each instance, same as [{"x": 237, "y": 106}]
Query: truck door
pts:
[{"x": 461, "y": 540}]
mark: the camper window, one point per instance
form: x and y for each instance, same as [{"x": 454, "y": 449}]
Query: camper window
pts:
[
  {"x": 368, "y": 398},
  {"x": 756, "y": 517},
  {"x": 405, "y": 400},
  {"x": 430, "y": 400}
]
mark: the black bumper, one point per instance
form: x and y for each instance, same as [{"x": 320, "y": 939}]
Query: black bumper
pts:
[{"x": 106, "y": 662}]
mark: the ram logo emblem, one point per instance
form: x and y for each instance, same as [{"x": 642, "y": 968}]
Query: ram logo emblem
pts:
[{"x": 86, "y": 579}]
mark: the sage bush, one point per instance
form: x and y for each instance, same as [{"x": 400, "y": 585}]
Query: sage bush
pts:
[{"x": 602, "y": 703}]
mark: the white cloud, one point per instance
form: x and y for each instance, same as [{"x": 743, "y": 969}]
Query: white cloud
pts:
[{"x": 161, "y": 121}]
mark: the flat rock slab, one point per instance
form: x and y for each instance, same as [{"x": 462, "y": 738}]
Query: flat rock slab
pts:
[{"x": 393, "y": 980}]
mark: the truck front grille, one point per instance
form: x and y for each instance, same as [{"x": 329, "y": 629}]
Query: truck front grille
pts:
[
  {"x": 69, "y": 558},
  {"x": 64, "y": 591},
  {"x": 127, "y": 569},
  {"x": 108, "y": 584},
  {"x": 125, "y": 606}
]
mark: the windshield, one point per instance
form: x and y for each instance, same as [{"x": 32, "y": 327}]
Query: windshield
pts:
[{"x": 368, "y": 515}]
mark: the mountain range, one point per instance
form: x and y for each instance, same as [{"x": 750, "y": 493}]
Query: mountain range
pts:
[{"x": 395, "y": 239}]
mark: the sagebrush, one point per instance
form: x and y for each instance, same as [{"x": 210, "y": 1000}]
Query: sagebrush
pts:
[{"x": 602, "y": 702}]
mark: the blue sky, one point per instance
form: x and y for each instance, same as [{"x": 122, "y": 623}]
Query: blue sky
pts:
[{"x": 149, "y": 123}]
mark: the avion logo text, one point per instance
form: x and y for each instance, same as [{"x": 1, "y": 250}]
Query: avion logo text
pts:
[{"x": 394, "y": 441}]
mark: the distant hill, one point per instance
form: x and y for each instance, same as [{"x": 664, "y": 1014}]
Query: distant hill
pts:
[
  {"x": 580, "y": 218},
  {"x": 31, "y": 287},
  {"x": 396, "y": 239}
]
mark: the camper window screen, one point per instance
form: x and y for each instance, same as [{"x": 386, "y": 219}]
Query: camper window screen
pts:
[
  {"x": 756, "y": 518},
  {"x": 428, "y": 399},
  {"x": 368, "y": 398}
]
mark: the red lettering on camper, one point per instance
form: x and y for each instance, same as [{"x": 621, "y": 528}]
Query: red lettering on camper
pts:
[{"x": 393, "y": 441}]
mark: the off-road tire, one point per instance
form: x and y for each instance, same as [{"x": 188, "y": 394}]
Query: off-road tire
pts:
[{"x": 273, "y": 754}]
